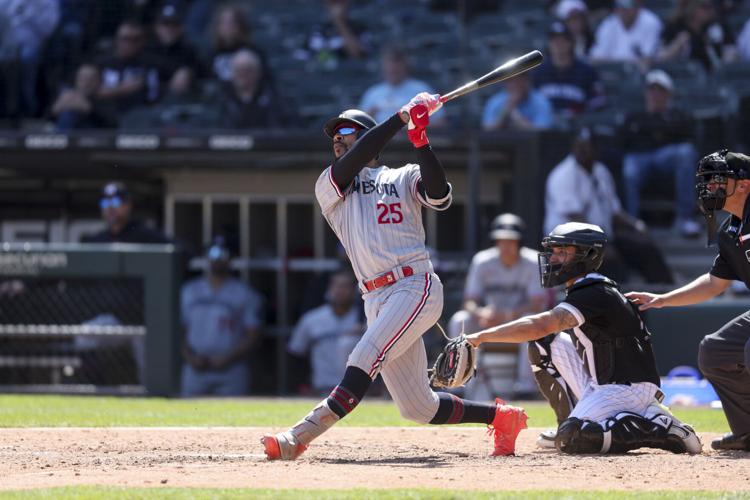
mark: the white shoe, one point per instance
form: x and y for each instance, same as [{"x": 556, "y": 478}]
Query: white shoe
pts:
[
  {"x": 682, "y": 435},
  {"x": 546, "y": 439}
]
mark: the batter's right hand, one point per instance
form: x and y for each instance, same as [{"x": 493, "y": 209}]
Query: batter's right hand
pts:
[{"x": 645, "y": 300}]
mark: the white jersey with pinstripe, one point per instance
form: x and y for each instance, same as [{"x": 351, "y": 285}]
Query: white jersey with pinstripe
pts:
[{"x": 378, "y": 219}]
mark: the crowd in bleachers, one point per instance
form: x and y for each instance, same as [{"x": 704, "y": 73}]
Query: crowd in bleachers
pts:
[{"x": 191, "y": 64}]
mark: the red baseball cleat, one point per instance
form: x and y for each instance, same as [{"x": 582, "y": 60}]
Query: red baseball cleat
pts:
[
  {"x": 278, "y": 447},
  {"x": 508, "y": 422}
]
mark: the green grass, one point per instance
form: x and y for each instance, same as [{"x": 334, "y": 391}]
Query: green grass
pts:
[
  {"x": 85, "y": 411},
  {"x": 94, "y": 492}
]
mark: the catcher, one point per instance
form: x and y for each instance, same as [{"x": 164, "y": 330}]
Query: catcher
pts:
[
  {"x": 376, "y": 212},
  {"x": 592, "y": 355}
]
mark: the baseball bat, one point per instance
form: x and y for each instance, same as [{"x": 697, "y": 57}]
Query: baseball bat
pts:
[{"x": 508, "y": 70}]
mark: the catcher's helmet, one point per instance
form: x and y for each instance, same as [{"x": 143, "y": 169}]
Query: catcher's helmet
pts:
[
  {"x": 507, "y": 227},
  {"x": 355, "y": 116},
  {"x": 716, "y": 169},
  {"x": 589, "y": 241}
]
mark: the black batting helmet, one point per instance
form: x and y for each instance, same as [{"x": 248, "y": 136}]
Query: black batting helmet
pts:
[
  {"x": 589, "y": 241},
  {"x": 356, "y": 116}
]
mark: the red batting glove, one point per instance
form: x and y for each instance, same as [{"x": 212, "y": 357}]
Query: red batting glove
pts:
[{"x": 419, "y": 118}]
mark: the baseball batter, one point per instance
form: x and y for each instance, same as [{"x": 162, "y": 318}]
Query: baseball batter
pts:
[
  {"x": 597, "y": 369},
  {"x": 376, "y": 213}
]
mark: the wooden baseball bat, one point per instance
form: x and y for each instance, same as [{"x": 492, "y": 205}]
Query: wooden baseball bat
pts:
[{"x": 508, "y": 70}]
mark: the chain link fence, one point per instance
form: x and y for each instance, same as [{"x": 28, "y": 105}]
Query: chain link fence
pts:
[{"x": 71, "y": 334}]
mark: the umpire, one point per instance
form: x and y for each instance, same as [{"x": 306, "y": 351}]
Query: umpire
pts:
[{"x": 723, "y": 183}]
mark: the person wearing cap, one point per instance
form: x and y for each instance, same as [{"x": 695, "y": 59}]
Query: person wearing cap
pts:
[
  {"x": 116, "y": 207},
  {"x": 518, "y": 107},
  {"x": 574, "y": 13},
  {"x": 222, "y": 319},
  {"x": 177, "y": 55},
  {"x": 658, "y": 141},
  {"x": 723, "y": 182},
  {"x": 630, "y": 34},
  {"x": 581, "y": 189},
  {"x": 571, "y": 85},
  {"x": 502, "y": 284},
  {"x": 385, "y": 98}
]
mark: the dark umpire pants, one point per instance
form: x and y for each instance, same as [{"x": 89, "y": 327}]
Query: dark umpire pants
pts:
[{"x": 724, "y": 359}]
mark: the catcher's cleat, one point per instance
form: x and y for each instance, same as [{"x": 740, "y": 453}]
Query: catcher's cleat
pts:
[
  {"x": 508, "y": 422},
  {"x": 280, "y": 447},
  {"x": 546, "y": 439},
  {"x": 681, "y": 437},
  {"x": 731, "y": 441}
]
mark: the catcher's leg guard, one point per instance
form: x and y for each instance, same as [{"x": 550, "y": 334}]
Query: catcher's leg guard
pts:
[
  {"x": 659, "y": 429},
  {"x": 550, "y": 383},
  {"x": 576, "y": 436}
]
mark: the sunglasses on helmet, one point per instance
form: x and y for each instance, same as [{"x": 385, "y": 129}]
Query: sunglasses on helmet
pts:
[
  {"x": 110, "y": 202},
  {"x": 345, "y": 130}
]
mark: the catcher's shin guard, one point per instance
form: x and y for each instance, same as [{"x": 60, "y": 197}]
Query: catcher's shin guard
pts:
[
  {"x": 551, "y": 384},
  {"x": 576, "y": 436},
  {"x": 658, "y": 429}
]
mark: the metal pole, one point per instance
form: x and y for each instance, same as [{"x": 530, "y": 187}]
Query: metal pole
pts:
[{"x": 474, "y": 162}]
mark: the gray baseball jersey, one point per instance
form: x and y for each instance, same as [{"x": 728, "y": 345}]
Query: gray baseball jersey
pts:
[
  {"x": 503, "y": 287},
  {"x": 378, "y": 219},
  {"x": 319, "y": 332},
  {"x": 216, "y": 320}
]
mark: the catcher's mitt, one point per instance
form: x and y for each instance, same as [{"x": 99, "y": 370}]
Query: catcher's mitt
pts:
[{"x": 455, "y": 365}]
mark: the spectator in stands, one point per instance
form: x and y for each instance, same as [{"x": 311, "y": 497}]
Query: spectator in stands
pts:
[
  {"x": 222, "y": 320},
  {"x": 630, "y": 34},
  {"x": 502, "y": 285},
  {"x": 247, "y": 103},
  {"x": 574, "y": 14},
  {"x": 518, "y": 107},
  {"x": 25, "y": 26},
  {"x": 231, "y": 33},
  {"x": 117, "y": 211},
  {"x": 130, "y": 77},
  {"x": 79, "y": 107},
  {"x": 328, "y": 333},
  {"x": 571, "y": 85},
  {"x": 659, "y": 140},
  {"x": 383, "y": 99},
  {"x": 177, "y": 55},
  {"x": 581, "y": 189},
  {"x": 336, "y": 40},
  {"x": 695, "y": 33},
  {"x": 743, "y": 42}
]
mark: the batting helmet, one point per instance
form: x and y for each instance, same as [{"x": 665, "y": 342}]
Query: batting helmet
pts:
[
  {"x": 589, "y": 241},
  {"x": 507, "y": 227},
  {"x": 355, "y": 116}
]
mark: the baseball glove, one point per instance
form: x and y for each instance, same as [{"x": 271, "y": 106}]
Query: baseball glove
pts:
[{"x": 455, "y": 365}]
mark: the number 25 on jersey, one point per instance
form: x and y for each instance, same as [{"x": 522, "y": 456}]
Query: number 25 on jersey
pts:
[{"x": 389, "y": 213}]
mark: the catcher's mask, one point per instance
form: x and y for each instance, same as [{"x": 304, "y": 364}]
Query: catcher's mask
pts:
[{"x": 589, "y": 242}]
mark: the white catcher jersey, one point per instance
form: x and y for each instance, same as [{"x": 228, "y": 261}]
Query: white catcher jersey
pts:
[{"x": 378, "y": 217}]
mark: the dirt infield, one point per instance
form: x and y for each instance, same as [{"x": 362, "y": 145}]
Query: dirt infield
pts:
[{"x": 344, "y": 458}]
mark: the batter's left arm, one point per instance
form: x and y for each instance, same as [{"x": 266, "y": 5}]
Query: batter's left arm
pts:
[{"x": 434, "y": 184}]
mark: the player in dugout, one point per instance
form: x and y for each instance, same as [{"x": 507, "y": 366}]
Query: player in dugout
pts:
[
  {"x": 592, "y": 355},
  {"x": 723, "y": 183}
]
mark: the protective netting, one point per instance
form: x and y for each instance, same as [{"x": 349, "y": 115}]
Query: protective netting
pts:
[{"x": 72, "y": 334}]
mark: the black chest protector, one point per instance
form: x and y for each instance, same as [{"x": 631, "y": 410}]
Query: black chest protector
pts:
[{"x": 614, "y": 332}]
